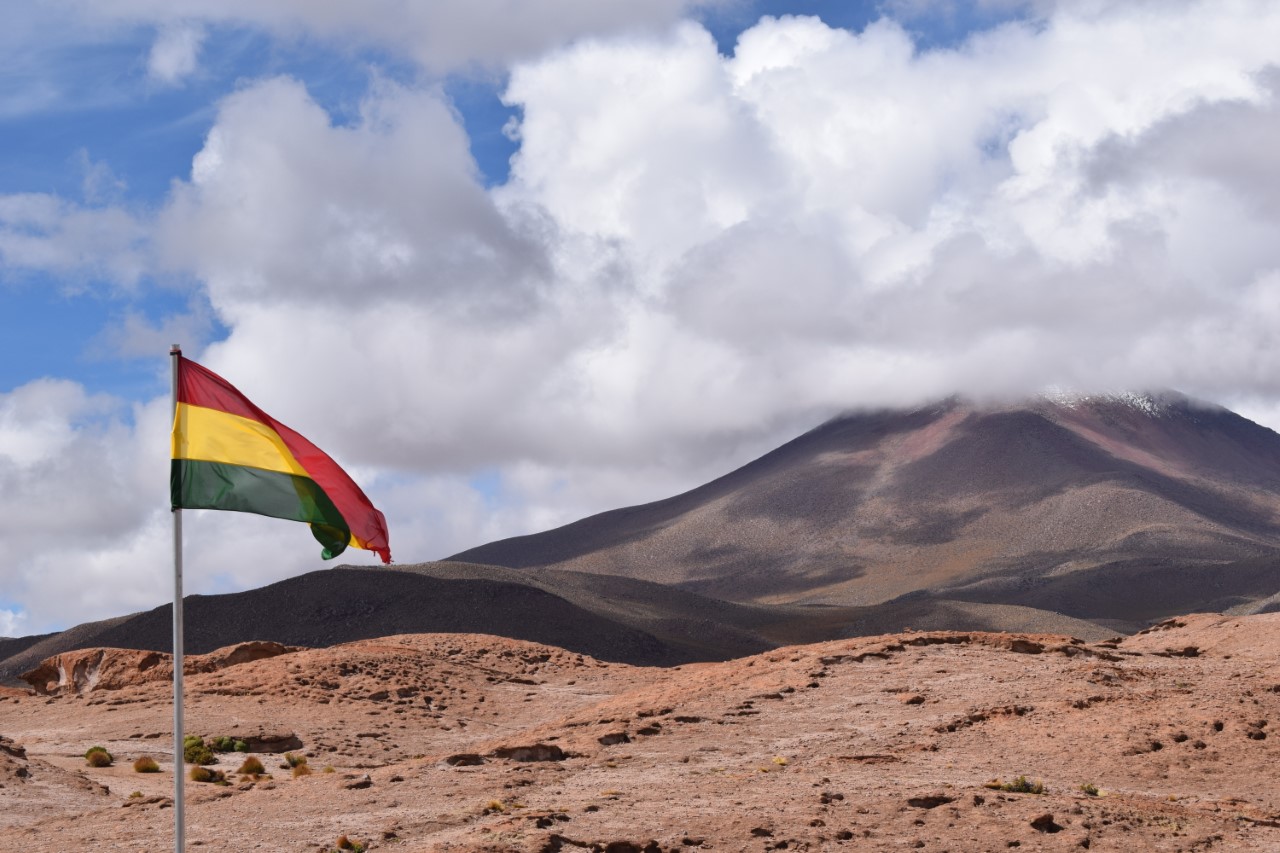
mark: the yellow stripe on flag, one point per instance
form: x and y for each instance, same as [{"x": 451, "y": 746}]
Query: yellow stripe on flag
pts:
[{"x": 208, "y": 435}]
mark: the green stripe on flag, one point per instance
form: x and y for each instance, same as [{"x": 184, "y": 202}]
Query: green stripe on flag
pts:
[{"x": 217, "y": 485}]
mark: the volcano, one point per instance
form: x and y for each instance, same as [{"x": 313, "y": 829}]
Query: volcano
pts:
[{"x": 1117, "y": 509}]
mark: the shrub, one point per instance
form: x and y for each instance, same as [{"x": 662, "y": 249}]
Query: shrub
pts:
[
  {"x": 292, "y": 759},
  {"x": 135, "y": 795},
  {"x": 241, "y": 746},
  {"x": 195, "y": 751},
  {"x": 1021, "y": 785},
  {"x": 1090, "y": 789},
  {"x": 204, "y": 774},
  {"x": 252, "y": 767},
  {"x": 97, "y": 756},
  {"x": 222, "y": 743},
  {"x": 145, "y": 764},
  {"x": 301, "y": 770},
  {"x": 328, "y": 768}
]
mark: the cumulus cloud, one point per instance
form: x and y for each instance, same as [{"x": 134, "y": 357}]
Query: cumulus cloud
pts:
[
  {"x": 175, "y": 53},
  {"x": 12, "y": 623},
  {"x": 39, "y": 231},
  {"x": 696, "y": 256}
]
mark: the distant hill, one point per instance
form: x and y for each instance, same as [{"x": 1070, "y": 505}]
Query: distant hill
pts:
[
  {"x": 339, "y": 605},
  {"x": 1114, "y": 509},
  {"x": 609, "y": 618}
]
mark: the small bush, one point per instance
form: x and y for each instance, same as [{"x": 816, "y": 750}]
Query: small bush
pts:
[
  {"x": 145, "y": 764},
  {"x": 292, "y": 759},
  {"x": 1090, "y": 789},
  {"x": 135, "y": 795},
  {"x": 328, "y": 768},
  {"x": 252, "y": 767},
  {"x": 1021, "y": 785},
  {"x": 98, "y": 757},
  {"x": 301, "y": 770},
  {"x": 195, "y": 751},
  {"x": 241, "y": 746},
  {"x": 222, "y": 743},
  {"x": 204, "y": 774}
]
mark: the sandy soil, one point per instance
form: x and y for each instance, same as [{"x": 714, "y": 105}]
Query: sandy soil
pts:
[{"x": 467, "y": 743}]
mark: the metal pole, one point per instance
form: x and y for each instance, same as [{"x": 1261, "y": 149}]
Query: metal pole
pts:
[{"x": 179, "y": 813}]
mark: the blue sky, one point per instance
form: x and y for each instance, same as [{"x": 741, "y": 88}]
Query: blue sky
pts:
[
  {"x": 115, "y": 135},
  {"x": 514, "y": 264}
]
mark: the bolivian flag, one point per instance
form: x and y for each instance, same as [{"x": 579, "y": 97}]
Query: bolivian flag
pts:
[{"x": 229, "y": 454}]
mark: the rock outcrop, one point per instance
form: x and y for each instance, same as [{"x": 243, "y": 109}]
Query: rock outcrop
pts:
[{"x": 86, "y": 670}]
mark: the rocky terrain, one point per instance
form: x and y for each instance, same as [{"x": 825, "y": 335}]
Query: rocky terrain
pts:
[{"x": 919, "y": 740}]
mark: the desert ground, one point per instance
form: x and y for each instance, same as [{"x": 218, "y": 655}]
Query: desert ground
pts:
[{"x": 1160, "y": 741}]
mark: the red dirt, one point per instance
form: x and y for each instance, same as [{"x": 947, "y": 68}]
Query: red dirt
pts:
[{"x": 468, "y": 743}]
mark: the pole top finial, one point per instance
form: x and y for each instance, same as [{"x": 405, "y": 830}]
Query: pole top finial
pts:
[{"x": 175, "y": 348}]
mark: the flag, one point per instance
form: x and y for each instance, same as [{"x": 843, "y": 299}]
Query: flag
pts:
[{"x": 229, "y": 454}]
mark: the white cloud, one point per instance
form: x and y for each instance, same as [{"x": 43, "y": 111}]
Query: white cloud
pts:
[
  {"x": 12, "y": 623},
  {"x": 175, "y": 53},
  {"x": 696, "y": 257},
  {"x": 441, "y": 35},
  {"x": 43, "y": 232}
]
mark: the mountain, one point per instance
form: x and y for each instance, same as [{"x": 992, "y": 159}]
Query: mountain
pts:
[
  {"x": 1087, "y": 516},
  {"x": 1117, "y": 509}
]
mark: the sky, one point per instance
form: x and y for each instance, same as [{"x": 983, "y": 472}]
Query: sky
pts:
[{"x": 513, "y": 262}]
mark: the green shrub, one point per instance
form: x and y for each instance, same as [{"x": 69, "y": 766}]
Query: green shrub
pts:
[
  {"x": 195, "y": 751},
  {"x": 222, "y": 743},
  {"x": 251, "y": 767},
  {"x": 1021, "y": 785},
  {"x": 1090, "y": 789},
  {"x": 145, "y": 764},
  {"x": 204, "y": 774},
  {"x": 292, "y": 759},
  {"x": 241, "y": 746},
  {"x": 98, "y": 757}
]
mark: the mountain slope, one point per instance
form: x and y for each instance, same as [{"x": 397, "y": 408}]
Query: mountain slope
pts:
[
  {"x": 1037, "y": 504},
  {"x": 339, "y": 605}
]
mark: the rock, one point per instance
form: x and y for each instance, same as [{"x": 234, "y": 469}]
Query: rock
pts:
[
  {"x": 1045, "y": 823},
  {"x": 8, "y": 747},
  {"x": 534, "y": 752},
  {"x": 86, "y": 670},
  {"x": 930, "y": 801}
]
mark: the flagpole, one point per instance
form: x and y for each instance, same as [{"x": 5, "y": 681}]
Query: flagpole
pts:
[{"x": 179, "y": 816}]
